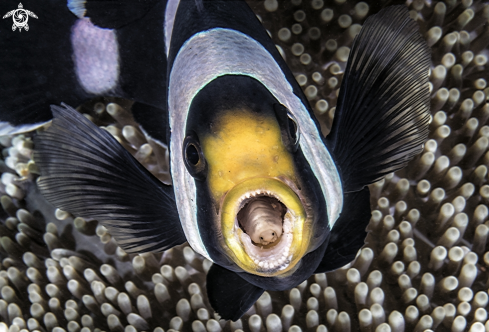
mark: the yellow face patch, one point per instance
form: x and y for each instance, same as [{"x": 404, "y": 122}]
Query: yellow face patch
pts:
[
  {"x": 245, "y": 154},
  {"x": 243, "y": 145}
]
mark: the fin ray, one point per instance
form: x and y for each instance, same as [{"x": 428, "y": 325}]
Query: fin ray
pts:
[
  {"x": 85, "y": 171},
  {"x": 382, "y": 114}
]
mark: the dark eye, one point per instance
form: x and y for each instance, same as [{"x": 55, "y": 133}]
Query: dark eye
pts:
[
  {"x": 194, "y": 157},
  {"x": 192, "y": 154},
  {"x": 288, "y": 126}
]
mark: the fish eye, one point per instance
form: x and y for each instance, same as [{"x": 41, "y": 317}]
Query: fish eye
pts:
[
  {"x": 193, "y": 157},
  {"x": 289, "y": 127},
  {"x": 192, "y": 154}
]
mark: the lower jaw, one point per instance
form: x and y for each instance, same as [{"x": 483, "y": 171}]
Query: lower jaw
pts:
[{"x": 275, "y": 260}]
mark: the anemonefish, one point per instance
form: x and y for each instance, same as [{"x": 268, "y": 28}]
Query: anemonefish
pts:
[{"x": 256, "y": 188}]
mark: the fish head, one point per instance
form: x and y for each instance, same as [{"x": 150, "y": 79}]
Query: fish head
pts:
[{"x": 259, "y": 207}]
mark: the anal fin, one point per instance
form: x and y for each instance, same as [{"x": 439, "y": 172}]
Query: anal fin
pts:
[
  {"x": 229, "y": 294},
  {"x": 348, "y": 234}
]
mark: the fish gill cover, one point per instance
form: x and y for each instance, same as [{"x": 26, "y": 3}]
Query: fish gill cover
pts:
[{"x": 424, "y": 266}]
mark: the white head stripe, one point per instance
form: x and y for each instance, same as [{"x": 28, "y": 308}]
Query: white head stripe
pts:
[{"x": 217, "y": 52}]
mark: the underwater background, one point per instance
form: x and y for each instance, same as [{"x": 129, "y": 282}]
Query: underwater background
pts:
[{"x": 424, "y": 264}]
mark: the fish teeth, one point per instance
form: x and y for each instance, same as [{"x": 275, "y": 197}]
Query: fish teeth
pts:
[{"x": 256, "y": 193}]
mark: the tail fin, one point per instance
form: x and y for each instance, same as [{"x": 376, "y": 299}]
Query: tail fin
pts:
[{"x": 382, "y": 115}]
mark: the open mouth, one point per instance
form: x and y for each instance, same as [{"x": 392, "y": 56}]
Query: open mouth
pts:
[
  {"x": 263, "y": 223},
  {"x": 267, "y": 234}
]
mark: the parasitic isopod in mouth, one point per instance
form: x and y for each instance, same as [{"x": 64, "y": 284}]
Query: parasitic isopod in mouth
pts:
[{"x": 262, "y": 217}]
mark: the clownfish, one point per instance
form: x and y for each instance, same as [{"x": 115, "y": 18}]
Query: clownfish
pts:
[{"x": 255, "y": 188}]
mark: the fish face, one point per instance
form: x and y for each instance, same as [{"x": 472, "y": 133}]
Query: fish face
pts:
[{"x": 256, "y": 211}]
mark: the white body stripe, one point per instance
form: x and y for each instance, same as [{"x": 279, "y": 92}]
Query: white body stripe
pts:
[
  {"x": 96, "y": 56},
  {"x": 217, "y": 52}
]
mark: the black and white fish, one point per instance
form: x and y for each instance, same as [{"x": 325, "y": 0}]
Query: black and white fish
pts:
[{"x": 256, "y": 188}]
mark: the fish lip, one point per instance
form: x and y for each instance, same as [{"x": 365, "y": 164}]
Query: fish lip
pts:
[{"x": 298, "y": 234}]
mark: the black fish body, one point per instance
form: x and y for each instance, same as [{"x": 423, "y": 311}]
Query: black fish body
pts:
[{"x": 256, "y": 188}]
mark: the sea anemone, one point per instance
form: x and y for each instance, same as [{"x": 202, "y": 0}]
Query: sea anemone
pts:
[{"x": 424, "y": 264}]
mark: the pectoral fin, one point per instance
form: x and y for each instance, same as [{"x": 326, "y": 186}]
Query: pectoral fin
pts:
[
  {"x": 85, "y": 171},
  {"x": 382, "y": 114}
]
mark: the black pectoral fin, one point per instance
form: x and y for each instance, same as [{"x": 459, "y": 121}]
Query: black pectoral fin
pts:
[
  {"x": 229, "y": 294},
  {"x": 348, "y": 233},
  {"x": 382, "y": 114},
  {"x": 85, "y": 171},
  {"x": 111, "y": 14}
]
